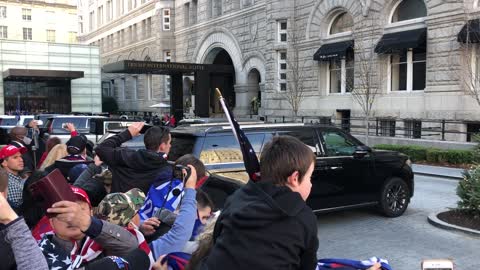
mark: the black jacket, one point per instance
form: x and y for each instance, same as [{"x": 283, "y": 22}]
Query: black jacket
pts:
[
  {"x": 131, "y": 168},
  {"x": 264, "y": 226}
]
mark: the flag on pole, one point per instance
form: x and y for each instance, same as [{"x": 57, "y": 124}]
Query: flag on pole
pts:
[{"x": 250, "y": 159}]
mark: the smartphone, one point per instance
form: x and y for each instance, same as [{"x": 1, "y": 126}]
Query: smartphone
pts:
[
  {"x": 437, "y": 264},
  {"x": 51, "y": 189},
  {"x": 64, "y": 125}
]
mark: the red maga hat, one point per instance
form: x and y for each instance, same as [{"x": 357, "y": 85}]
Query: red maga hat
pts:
[{"x": 11, "y": 150}]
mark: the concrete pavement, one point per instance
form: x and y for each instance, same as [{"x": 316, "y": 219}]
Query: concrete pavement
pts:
[{"x": 436, "y": 171}]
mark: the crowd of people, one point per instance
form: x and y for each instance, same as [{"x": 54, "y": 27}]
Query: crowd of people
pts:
[{"x": 131, "y": 211}]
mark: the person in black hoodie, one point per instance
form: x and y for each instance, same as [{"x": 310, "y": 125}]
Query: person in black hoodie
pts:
[
  {"x": 137, "y": 169},
  {"x": 267, "y": 225}
]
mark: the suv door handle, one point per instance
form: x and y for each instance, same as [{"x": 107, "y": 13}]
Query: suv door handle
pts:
[{"x": 336, "y": 167}]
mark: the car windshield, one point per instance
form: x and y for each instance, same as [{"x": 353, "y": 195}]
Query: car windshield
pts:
[{"x": 9, "y": 122}]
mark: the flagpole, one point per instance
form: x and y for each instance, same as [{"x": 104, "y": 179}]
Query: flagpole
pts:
[
  {"x": 225, "y": 109},
  {"x": 250, "y": 159}
]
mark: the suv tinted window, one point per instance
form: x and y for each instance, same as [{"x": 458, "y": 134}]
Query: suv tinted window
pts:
[
  {"x": 56, "y": 126},
  {"x": 181, "y": 145},
  {"x": 337, "y": 144},
  {"x": 221, "y": 149},
  {"x": 9, "y": 122},
  {"x": 308, "y": 137}
]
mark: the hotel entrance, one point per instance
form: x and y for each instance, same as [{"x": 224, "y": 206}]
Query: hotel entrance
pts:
[{"x": 38, "y": 91}]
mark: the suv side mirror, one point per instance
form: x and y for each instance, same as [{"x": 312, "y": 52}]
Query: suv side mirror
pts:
[{"x": 361, "y": 151}]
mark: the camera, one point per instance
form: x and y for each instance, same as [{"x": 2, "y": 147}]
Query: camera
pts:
[
  {"x": 178, "y": 171},
  {"x": 437, "y": 264}
]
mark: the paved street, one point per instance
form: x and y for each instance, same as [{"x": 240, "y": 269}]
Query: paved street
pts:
[{"x": 404, "y": 241}]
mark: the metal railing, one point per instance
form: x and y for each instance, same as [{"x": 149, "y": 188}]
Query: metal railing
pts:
[{"x": 431, "y": 129}]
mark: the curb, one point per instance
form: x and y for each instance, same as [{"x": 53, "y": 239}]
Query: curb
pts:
[
  {"x": 435, "y": 221},
  {"x": 451, "y": 177}
]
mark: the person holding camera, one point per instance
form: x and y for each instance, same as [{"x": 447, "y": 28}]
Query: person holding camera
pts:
[
  {"x": 137, "y": 168},
  {"x": 17, "y": 246},
  {"x": 181, "y": 229}
]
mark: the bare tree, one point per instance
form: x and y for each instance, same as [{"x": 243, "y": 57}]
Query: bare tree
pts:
[
  {"x": 295, "y": 92},
  {"x": 369, "y": 74},
  {"x": 464, "y": 60}
]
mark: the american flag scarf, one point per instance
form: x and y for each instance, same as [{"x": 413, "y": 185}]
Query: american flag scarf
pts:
[
  {"x": 176, "y": 260},
  {"x": 325, "y": 264},
  {"x": 58, "y": 259}
]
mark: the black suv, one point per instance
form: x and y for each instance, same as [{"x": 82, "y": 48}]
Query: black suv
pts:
[{"x": 347, "y": 173}]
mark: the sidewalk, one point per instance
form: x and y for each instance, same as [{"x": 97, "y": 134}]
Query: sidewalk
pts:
[{"x": 444, "y": 172}]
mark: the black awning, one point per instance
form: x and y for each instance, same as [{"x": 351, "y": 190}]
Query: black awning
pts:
[
  {"x": 333, "y": 50},
  {"x": 40, "y": 74},
  {"x": 470, "y": 32},
  {"x": 394, "y": 42}
]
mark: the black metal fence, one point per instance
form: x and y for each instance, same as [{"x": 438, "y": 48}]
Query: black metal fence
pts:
[{"x": 431, "y": 129}]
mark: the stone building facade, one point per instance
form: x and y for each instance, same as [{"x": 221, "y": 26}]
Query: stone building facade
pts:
[
  {"x": 318, "y": 46},
  {"x": 419, "y": 72},
  {"x": 131, "y": 30}
]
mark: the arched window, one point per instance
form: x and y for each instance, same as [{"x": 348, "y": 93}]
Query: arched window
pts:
[
  {"x": 409, "y": 9},
  {"x": 341, "y": 23}
]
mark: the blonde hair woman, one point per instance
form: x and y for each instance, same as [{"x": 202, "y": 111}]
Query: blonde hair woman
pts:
[{"x": 58, "y": 151}]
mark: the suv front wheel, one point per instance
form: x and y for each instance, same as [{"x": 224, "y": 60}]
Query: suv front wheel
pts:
[{"x": 394, "y": 197}]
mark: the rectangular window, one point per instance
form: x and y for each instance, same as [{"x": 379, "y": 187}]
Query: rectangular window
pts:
[
  {"x": 408, "y": 70},
  {"x": 50, "y": 35},
  {"x": 167, "y": 85},
  {"x": 186, "y": 13},
  {"x": 3, "y": 32},
  {"x": 149, "y": 87},
  {"x": 135, "y": 88},
  {"x": 122, "y": 88},
  {"x": 26, "y": 14},
  {"x": 109, "y": 10},
  {"x": 413, "y": 129},
  {"x": 282, "y": 31},
  {"x": 282, "y": 70},
  {"x": 91, "y": 20},
  {"x": 341, "y": 73},
  {"x": 100, "y": 16},
  {"x": 335, "y": 76},
  {"x": 3, "y": 12},
  {"x": 72, "y": 37},
  {"x": 216, "y": 8},
  {"x": 167, "y": 56},
  {"x": 193, "y": 13},
  {"x": 27, "y": 33},
  {"x": 166, "y": 19},
  {"x": 387, "y": 127}
]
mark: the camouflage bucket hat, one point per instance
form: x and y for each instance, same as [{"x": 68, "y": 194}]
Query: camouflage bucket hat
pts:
[{"x": 120, "y": 208}]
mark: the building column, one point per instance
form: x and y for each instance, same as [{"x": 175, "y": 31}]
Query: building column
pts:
[
  {"x": 243, "y": 96},
  {"x": 176, "y": 96}
]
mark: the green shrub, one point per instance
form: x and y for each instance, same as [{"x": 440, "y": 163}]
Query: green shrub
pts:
[
  {"x": 433, "y": 155},
  {"x": 468, "y": 190},
  {"x": 416, "y": 153}
]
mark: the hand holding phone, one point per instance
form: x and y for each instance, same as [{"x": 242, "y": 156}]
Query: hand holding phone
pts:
[{"x": 437, "y": 264}]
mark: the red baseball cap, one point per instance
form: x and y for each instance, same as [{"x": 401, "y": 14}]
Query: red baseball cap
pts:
[
  {"x": 11, "y": 150},
  {"x": 81, "y": 195}
]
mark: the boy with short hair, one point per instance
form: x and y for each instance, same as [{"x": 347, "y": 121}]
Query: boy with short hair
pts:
[{"x": 267, "y": 225}]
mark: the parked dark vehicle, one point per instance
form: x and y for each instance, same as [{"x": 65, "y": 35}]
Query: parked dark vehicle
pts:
[
  {"x": 347, "y": 173},
  {"x": 55, "y": 126}
]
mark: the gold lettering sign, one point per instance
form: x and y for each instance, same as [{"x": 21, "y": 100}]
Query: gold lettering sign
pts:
[{"x": 159, "y": 65}]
